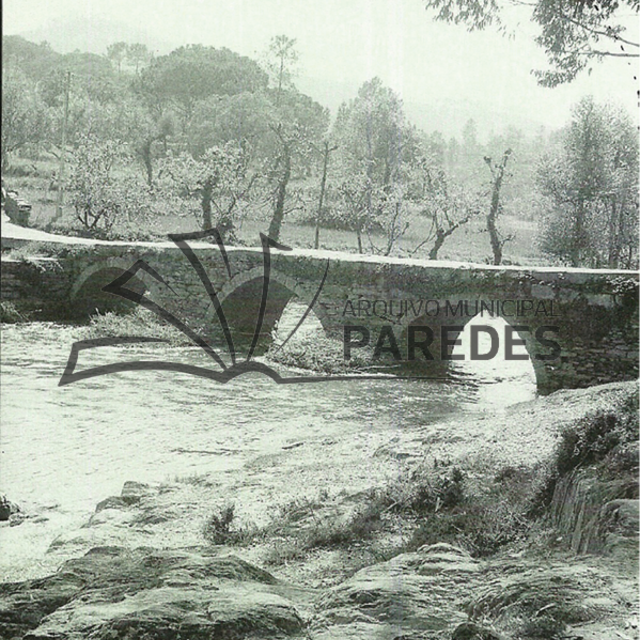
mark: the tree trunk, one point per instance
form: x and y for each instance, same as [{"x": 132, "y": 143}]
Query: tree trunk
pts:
[
  {"x": 280, "y": 81},
  {"x": 578, "y": 232},
  {"x": 439, "y": 241},
  {"x": 207, "y": 190},
  {"x": 614, "y": 237},
  {"x": 227, "y": 230},
  {"x": 359, "y": 236},
  {"x": 278, "y": 213},
  {"x": 226, "y": 226},
  {"x": 496, "y": 245},
  {"x": 323, "y": 184},
  {"x": 145, "y": 151}
]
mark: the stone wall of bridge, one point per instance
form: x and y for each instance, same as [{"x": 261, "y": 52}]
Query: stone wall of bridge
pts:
[{"x": 591, "y": 316}]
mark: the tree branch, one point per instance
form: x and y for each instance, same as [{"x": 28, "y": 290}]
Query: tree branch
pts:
[
  {"x": 598, "y": 32},
  {"x": 607, "y": 53}
]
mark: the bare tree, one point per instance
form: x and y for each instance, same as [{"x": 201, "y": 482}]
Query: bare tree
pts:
[
  {"x": 326, "y": 151},
  {"x": 448, "y": 208},
  {"x": 283, "y": 172},
  {"x": 497, "y": 173}
]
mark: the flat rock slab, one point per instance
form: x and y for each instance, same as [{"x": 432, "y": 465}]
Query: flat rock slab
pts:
[
  {"x": 414, "y": 593},
  {"x": 114, "y": 593}
]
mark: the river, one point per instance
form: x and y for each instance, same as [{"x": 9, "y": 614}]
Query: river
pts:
[{"x": 63, "y": 449}]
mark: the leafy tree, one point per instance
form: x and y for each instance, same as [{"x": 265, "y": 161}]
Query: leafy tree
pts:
[
  {"x": 574, "y": 32},
  {"x": 436, "y": 146},
  {"x": 470, "y": 136},
  {"x": 222, "y": 180},
  {"x": 591, "y": 182},
  {"x": 301, "y": 111},
  {"x": 35, "y": 60},
  {"x": 465, "y": 167},
  {"x": 304, "y": 120},
  {"x": 374, "y": 142},
  {"x": 24, "y": 114},
  {"x": 93, "y": 79},
  {"x": 452, "y": 156},
  {"x": 138, "y": 56},
  {"x": 116, "y": 120},
  {"x": 116, "y": 54},
  {"x": 371, "y": 129},
  {"x": 243, "y": 118},
  {"x": 194, "y": 73},
  {"x": 281, "y": 59},
  {"x": 445, "y": 206}
]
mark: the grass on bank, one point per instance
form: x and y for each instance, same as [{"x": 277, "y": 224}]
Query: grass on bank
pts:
[
  {"x": 140, "y": 322},
  {"x": 438, "y": 503}
]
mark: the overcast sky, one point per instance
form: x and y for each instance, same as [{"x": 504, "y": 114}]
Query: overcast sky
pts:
[{"x": 343, "y": 43}]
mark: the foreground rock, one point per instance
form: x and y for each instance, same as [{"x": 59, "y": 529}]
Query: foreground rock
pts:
[
  {"x": 117, "y": 593},
  {"x": 527, "y": 599},
  {"x": 7, "y": 508},
  {"x": 598, "y": 516},
  {"x": 128, "y": 586},
  {"x": 414, "y": 593}
]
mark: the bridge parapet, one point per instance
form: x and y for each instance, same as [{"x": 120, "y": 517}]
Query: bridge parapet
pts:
[{"x": 586, "y": 319}]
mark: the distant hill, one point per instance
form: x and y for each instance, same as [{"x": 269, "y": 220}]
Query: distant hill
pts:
[{"x": 94, "y": 36}]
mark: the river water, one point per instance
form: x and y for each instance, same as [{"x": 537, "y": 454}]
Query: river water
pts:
[{"x": 63, "y": 449}]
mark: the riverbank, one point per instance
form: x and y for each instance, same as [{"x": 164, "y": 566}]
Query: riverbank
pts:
[{"x": 465, "y": 521}]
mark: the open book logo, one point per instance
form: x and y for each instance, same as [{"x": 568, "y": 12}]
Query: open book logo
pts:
[{"x": 224, "y": 372}]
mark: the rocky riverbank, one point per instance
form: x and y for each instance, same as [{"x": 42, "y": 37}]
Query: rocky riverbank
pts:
[{"x": 522, "y": 525}]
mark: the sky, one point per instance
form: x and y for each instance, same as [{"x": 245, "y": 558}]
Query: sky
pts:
[{"x": 443, "y": 73}]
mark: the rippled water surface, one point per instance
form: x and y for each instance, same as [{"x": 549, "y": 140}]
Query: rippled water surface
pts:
[{"x": 66, "y": 448}]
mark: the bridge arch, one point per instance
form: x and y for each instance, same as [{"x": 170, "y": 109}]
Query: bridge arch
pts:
[
  {"x": 241, "y": 296},
  {"x": 489, "y": 333},
  {"x": 522, "y": 331},
  {"x": 86, "y": 294}
]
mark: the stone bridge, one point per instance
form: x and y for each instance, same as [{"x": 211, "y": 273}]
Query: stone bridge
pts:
[{"x": 577, "y": 326}]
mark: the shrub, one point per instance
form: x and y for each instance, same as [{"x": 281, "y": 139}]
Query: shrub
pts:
[
  {"x": 424, "y": 491},
  {"x": 591, "y": 439},
  {"x": 9, "y": 314},
  {"x": 218, "y": 528},
  {"x": 141, "y": 322},
  {"x": 331, "y": 533},
  {"x": 604, "y": 439},
  {"x": 481, "y": 518}
]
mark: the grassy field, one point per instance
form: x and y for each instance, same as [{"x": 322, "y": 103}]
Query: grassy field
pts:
[{"x": 34, "y": 181}]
